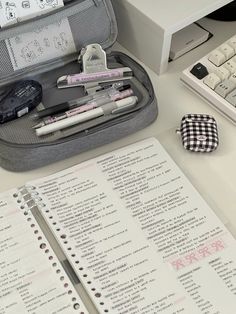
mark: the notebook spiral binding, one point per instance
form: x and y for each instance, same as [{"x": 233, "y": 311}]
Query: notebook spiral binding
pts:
[
  {"x": 29, "y": 200},
  {"x": 34, "y": 199}
]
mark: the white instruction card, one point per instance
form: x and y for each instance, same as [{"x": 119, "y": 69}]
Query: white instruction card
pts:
[
  {"x": 46, "y": 43},
  {"x": 14, "y": 11}
]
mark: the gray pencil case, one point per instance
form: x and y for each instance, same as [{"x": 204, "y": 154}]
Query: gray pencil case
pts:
[{"x": 90, "y": 21}]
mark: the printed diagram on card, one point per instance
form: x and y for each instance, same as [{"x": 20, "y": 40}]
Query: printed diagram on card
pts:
[
  {"x": 8, "y": 13},
  {"x": 14, "y": 11},
  {"x": 45, "y": 43},
  {"x": 44, "y": 3}
]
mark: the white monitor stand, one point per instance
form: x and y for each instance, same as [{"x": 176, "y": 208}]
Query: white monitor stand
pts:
[{"x": 146, "y": 26}]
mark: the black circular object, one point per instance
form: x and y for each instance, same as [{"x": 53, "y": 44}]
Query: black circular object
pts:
[
  {"x": 19, "y": 99},
  {"x": 226, "y": 13}
]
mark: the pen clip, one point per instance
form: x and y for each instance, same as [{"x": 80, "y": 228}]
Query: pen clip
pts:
[
  {"x": 124, "y": 108},
  {"x": 93, "y": 88}
]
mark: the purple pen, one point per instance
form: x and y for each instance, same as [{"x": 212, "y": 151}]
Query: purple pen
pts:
[
  {"x": 89, "y": 106},
  {"x": 98, "y": 77},
  {"x": 104, "y": 90}
]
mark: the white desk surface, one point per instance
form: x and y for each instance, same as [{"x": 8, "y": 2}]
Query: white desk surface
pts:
[{"x": 214, "y": 174}]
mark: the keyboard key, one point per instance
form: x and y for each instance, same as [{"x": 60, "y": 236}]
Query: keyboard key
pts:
[
  {"x": 224, "y": 88},
  {"x": 233, "y": 78},
  {"x": 222, "y": 72},
  {"x": 231, "y": 66},
  {"x": 232, "y": 43},
  {"x": 227, "y": 50},
  {"x": 212, "y": 80},
  {"x": 217, "y": 57},
  {"x": 231, "y": 98},
  {"x": 219, "y": 85},
  {"x": 199, "y": 70}
]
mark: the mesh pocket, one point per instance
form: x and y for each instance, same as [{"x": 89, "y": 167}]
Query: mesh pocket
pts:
[
  {"x": 89, "y": 21},
  {"x": 5, "y": 63},
  {"x": 87, "y": 30}
]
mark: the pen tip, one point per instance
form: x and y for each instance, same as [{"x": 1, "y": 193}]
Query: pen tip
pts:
[
  {"x": 36, "y": 126},
  {"x": 34, "y": 116},
  {"x": 62, "y": 82}
]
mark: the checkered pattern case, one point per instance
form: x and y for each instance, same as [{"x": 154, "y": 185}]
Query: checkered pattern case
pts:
[{"x": 199, "y": 133}]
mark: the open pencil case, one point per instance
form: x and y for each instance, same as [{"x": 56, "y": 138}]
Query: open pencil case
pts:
[{"x": 87, "y": 21}]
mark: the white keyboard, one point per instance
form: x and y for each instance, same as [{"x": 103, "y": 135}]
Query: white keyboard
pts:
[{"x": 214, "y": 78}]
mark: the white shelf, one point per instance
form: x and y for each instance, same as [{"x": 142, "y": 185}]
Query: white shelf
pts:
[{"x": 146, "y": 27}]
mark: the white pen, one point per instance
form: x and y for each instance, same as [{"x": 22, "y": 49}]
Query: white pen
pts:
[
  {"x": 116, "y": 95},
  {"x": 109, "y": 108}
]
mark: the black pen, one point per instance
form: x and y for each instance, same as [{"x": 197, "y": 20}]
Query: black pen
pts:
[
  {"x": 111, "y": 108},
  {"x": 98, "y": 102},
  {"x": 79, "y": 102}
]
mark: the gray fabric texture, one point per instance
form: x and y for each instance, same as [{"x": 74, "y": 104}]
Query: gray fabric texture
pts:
[
  {"x": 20, "y": 148},
  {"x": 90, "y": 21}
]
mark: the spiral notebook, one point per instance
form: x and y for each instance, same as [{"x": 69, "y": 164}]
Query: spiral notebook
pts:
[
  {"x": 32, "y": 280},
  {"x": 138, "y": 235}
]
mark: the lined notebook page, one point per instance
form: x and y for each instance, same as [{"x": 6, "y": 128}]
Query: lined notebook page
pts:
[
  {"x": 31, "y": 278},
  {"x": 139, "y": 236}
]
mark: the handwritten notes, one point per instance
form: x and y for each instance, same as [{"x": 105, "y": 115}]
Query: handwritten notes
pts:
[
  {"x": 31, "y": 277},
  {"x": 139, "y": 235}
]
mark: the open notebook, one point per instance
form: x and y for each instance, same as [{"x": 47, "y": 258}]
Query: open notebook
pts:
[
  {"x": 32, "y": 280},
  {"x": 138, "y": 235}
]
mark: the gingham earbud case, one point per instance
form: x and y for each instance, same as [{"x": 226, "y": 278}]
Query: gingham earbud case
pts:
[{"x": 199, "y": 133}]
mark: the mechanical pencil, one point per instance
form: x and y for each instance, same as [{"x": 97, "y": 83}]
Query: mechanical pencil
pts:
[
  {"x": 106, "y": 90},
  {"x": 113, "y": 107},
  {"x": 89, "y": 106},
  {"x": 81, "y": 79}
]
